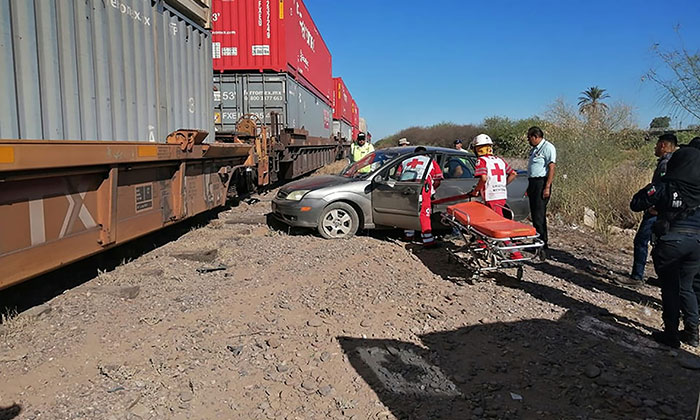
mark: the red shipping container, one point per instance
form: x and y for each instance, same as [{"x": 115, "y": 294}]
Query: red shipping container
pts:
[
  {"x": 272, "y": 35},
  {"x": 355, "y": 120},
  {"x": 342, "y": 101}
]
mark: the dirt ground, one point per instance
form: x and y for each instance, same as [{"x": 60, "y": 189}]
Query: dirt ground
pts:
[{"x": 237, "y": 320}]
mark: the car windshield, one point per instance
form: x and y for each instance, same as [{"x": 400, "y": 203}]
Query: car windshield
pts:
[{"x": 368, "y": 164}]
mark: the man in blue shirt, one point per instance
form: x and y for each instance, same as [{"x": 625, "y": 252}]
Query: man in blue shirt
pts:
[{"x": 540, "y": 172}]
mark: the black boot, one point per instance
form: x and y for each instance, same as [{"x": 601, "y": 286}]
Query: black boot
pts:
[
  {"x": 667, "y": 339},
  {"x": 690, "y": 336}
]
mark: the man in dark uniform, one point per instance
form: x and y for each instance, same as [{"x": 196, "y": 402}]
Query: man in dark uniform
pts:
[
  {"x": 676, "y": 254},
  {"x": 665, "y": 146}
]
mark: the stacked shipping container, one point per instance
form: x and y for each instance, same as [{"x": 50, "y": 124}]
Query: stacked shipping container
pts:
[
  {"x": 270, "y": 57},
  {"x": 343, "y": 109},
  {"x": 254, "y": 36},
  {"x": 129, "y": 70}
]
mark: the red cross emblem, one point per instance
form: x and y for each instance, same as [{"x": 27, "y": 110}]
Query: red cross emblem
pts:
[
  {"x": 498, "y": 172},
  {"x": 414, "y": 163}
]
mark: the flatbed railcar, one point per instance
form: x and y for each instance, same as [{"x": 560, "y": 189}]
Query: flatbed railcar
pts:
[{"x": 106, "y": 128}]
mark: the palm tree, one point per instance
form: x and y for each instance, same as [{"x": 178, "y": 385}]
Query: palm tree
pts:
[{"x": 590, "y": 101}]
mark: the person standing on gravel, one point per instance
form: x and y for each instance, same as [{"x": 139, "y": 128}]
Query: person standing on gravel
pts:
[
  {"x": 417, "y": 166},
  {"x": 540, "y": 171},
  {"x": 359, "y": 150},
  {"x": 665, "y": 146},
  {"x": 676, "y": 254}
]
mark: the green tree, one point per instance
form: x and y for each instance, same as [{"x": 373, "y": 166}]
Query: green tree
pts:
[
  {"x": 589, "y": 103},
  {"x": 660, "y": 122}
]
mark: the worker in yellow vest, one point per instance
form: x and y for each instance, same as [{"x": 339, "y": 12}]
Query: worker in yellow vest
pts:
[{"x": 359, "y": 150}]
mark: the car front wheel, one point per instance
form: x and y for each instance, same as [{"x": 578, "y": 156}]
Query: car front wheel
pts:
[{"x": 338, "y": 220}]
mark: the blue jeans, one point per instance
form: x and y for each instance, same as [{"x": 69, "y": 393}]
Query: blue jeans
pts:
[{"x": 641, "y": 245}]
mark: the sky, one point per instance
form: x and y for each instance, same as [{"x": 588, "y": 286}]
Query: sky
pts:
[{"x": 421, "y": 62}]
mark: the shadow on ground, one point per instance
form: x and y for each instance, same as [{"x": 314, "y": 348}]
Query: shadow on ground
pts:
[
  {"x": 575, "y": 368},
  {"x": 9, "y": 413}
]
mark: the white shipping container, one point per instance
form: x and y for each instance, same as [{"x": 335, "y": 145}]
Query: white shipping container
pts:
[{"x": 117, "y": 70}]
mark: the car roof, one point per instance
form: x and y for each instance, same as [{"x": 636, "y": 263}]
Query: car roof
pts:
[{"x": 410, "y": 149}]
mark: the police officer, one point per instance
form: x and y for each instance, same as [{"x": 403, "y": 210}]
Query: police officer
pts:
[
  {"x": 359, "y": 150},
  {"x": 665, "y": 146},
  {"x": 676, "y": 254}
]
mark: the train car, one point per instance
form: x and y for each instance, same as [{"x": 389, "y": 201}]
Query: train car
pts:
[
  {"x": 355, "y": 120},
  {"x": 273, "y": 68},
  {"x": 106, "y": 127},
  {"x": 343, "y": 106}
]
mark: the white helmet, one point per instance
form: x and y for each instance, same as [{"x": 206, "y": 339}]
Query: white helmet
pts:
[
  {"x": 482, "y": 140},
  {"x": 403, "y": 141}
]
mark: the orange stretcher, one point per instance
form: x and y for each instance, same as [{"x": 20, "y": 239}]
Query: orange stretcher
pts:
[{"x": 492, "y": 242}]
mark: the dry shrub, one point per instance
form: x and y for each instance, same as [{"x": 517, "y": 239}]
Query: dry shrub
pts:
[
  {"x": 443, "y": 135},
  {"x": 11, "y": 323},
  {"x": 598, "y": 167}
]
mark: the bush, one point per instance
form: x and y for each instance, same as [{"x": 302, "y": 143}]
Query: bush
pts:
[
  {"x": 601, "y": 162},
  {"x": 509, "y": 136},
  {"x": 443, "y": 135}
]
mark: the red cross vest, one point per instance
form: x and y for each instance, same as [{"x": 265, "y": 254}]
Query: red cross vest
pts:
[
  {"x": 412, "y": 170},
  {"x": 496, "y": 171}
]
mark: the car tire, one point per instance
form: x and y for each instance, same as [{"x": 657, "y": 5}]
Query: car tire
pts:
[{"x": 337, "y": 221}]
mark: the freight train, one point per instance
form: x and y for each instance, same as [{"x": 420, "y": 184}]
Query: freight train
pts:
[
  {"x": 108, "y": 128},
  {"x": 272, "y": 69}
]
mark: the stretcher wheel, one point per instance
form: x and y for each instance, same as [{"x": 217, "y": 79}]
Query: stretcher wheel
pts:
[{"x": 519, "y": 274}]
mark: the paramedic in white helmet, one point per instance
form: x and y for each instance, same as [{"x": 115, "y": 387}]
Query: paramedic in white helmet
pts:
[{"x": 493, "y": 173}]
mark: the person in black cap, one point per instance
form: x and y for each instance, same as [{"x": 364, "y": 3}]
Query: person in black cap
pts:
[
  {"x": 676, "y": 254},
  {"x": 458, "y": 146}
]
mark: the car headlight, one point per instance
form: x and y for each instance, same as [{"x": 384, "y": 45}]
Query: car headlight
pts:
[{"x": 297, "y": 195}]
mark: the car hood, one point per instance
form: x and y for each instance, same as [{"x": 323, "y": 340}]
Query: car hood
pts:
[{"x": 314, "y": 183}]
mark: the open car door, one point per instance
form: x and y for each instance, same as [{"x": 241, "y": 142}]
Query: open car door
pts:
[{"x": 396, "y": 192}]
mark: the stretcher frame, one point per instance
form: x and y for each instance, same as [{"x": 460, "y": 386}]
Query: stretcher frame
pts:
[{"x": 482, "y": 253}]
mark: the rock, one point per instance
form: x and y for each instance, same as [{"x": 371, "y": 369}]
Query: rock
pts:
[
  {"x": 282, "y": 368},
  {"x": 667, "y": 410},
  {"x": 308, "y": 385},
  {"x": 460, "y": 379},
  {"x": 236, "y": 350},
  {"x": 186, "y": 395},
  {"x": 650, "y": 403},
  {"x": 634, "y": 402},
  {"x": 129, "y": 292},
  {"x": 37, "y": 311},
  {"x": 325, "y": 390},
  {"x": 592, "y": 371},
  {"x": 392, "y": 350},
  {"x": 516, "y": 397},
  {"x": 693, "y": 364},
  {"x": 316, "y": 322},
  {"x": 273, "y": 342},
  {"x": 365, "y": 323},
  {"x": 589, "y": 218},
  {"x": 325, "y": 356},
  {"x": 478, "y": 411},
  {"x": 140, "y": 410}
]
